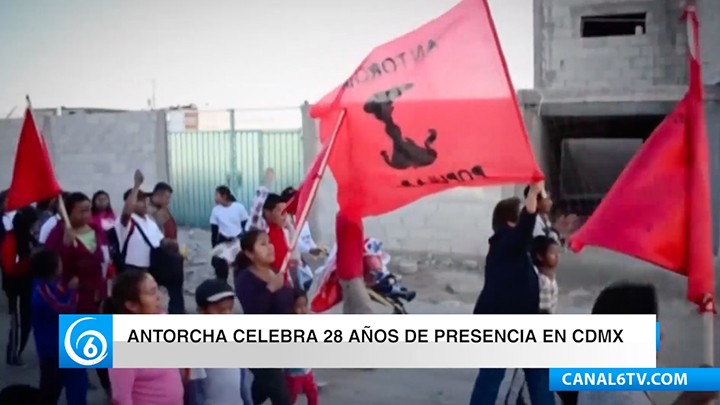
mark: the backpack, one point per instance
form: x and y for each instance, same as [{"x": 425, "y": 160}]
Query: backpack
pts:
[
  {"x": 11, "y": 264},
  {"x": 166, "y": 266}
]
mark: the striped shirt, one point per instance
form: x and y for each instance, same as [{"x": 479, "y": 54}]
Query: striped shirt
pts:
[{"x": 548, "y": 292}]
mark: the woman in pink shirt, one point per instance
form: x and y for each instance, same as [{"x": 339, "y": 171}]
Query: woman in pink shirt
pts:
[
  {"x": 102, "y": 213},
  {"x": 104, "y": 218},
  {"x": 136, "y": 292}
]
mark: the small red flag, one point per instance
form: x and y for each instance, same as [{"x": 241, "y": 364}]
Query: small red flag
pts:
[
  {"x": 658, "y": 210},
  {"x": 329, "y": 291},
  {"x": 344, "y": 263},
  {"x": 33, "y": 177},
  {"x": 426, "y": 112}
]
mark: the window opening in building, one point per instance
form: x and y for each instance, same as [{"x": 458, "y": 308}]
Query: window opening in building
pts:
[{"x": 613, "y": 25}]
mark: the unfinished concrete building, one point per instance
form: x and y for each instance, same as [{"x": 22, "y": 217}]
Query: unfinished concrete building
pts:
[{"x": 606, "y": 73}]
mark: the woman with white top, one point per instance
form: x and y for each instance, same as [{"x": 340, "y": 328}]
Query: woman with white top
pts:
[
  {"x": 227, "y": 222},
  {"x": 228, "y": 217}
]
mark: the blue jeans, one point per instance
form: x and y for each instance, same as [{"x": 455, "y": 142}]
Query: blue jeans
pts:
[{"x": 488, "y": 382}]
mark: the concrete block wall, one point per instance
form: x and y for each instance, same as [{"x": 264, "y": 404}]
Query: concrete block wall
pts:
[
  {"x": 709, "y": 16},
  {"x": 96, "y": 151},
  {"x": 566, "y": 60}
]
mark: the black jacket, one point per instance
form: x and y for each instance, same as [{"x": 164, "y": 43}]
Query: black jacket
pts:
[{"x": 511, "y": 284}]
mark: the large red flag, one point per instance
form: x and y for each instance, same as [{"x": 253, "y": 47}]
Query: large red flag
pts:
[
  {"x": 431, "y": 110},
  {"x": 658, "y": 210},
  {"x": 33, "y": 177}
]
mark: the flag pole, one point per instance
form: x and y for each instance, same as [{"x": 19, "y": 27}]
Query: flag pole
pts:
[
  {"x": 707, "y": 308},
  {"x": 708, "y": 315},
  {"x": 61, "y": 204},
  {"x": 313, "y": 190}
]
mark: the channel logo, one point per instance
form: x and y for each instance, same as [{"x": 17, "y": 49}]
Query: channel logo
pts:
[{"x": 85, "y": 341}]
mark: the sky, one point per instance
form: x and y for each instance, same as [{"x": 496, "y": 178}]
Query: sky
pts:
[{"x": 217, "y": 54}]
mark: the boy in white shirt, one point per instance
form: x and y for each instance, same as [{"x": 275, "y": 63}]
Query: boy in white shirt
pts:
[
  {"x": 546, "y": 255},
  {"x": 144, "y": 247},
  {"x": 137, "y": 233}
]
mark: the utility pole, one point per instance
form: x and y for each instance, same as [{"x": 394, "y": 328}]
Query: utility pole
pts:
[
  {"x": 154, "y": 87},
  {"x": 11, "y": 112}
]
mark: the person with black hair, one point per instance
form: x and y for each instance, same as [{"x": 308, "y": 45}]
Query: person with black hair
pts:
[
  {"x": 261, "y": 291},
  {"x": 143, "y": 246},
  {"x": 102, "y": 212},
  {"x": 306, "y": 243},
  {"x": 301, "y": 380},
  {"x": 546, "y": 255},
  {"x": 17, "y": 247},
  {"x": 136, "y": 292},
  {"x": 45, "y": 211},
  {"x": 626, "y": 298},
  {"x": 49, "y": 223},
  {"x": 84, "y": 251},
  {"x": 227, "y": 223},
  {"x": 301, "y": 274},
  {"x": 543, "y": 224},
  {"x": 160, "y": 210},
  {"x": 217, "y": 385},
  {"x": 277, "y": 227},
  {"x": 228, "y": 217},
  {"x": 50, "y": 298},
  {"x": 511, "y": 287}
]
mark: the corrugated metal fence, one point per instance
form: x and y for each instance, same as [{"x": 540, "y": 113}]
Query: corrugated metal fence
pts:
[{"x": 200, "y": 160}]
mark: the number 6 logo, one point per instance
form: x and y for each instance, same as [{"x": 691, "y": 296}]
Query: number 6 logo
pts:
[{"x": 91, "y": 355}]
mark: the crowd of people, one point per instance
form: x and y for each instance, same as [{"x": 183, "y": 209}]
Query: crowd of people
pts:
[
  {"x": 75, "y": 254},
  {"x": 96, "y": 260}
]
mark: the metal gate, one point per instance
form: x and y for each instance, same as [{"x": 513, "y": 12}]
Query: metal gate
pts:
[{"x": 199, "y": 161}]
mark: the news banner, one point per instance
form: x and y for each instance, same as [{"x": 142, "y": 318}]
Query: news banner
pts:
[{"x": 583, "y": 352}]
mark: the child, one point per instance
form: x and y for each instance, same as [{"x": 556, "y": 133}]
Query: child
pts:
[
  {"x": 301, "y": 380},
  {"x": 50, "y": 299},
  {"x": 545, "y": 255},
  {"x": 217, "y": 386}
]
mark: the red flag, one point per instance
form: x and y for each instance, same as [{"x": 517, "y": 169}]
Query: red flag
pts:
[
  {"x": 658, "y": 210},
  {"x": 344, "y": 262},
  {"x": 329, "y": 291},
  {"x": 33, "y": 177},
  {"x": 429, "y": 111}
]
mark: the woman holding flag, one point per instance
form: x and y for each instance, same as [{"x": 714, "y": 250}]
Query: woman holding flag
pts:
[{"x": 511, "y": 287}]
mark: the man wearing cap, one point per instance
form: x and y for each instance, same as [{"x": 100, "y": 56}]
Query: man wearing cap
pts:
[{"x": 217, "y": 386}]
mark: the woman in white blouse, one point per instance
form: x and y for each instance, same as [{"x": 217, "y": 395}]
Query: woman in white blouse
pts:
[{"x": 227, "y": 222}]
